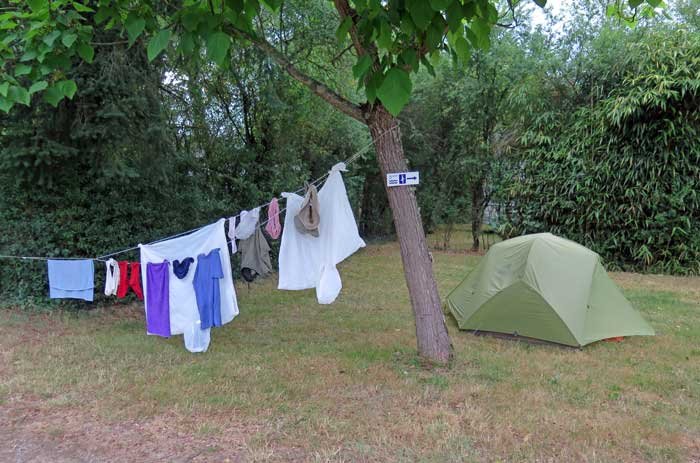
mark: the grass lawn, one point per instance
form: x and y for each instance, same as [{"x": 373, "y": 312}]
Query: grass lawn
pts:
[{"x": 291, "y": 380}]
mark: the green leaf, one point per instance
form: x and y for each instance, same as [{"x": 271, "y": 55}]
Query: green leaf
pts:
[
  {"x": 431, "y": 69},
  {"x": 38, "y": 86},
  {"x": 252, "y": 8},
  {"x": 462, "y": 48},
  {"x": 439, "y": 5},
  {"x": 68, "y": 88},
  {"x": 7, "y": 25},
  {"x": 410, "y": 57},
  {"x": 29, "y": 55},
  {"x": 190, "y": 19},
  {"x": 272, "y": 5},
  {"x": 343, "y": 29},
  {"x": 362, "y": 66},
  {"x": 53, "y": 96},
  {"x": 187, "y": 43},
  {"x": 421, "y": 13},
  {"x": 541, "y": 3},
  {"x": 6, "y": 105},
  {"x": 218, "y": 44},
  {"x": 22, "y": 70},
  {"x": 482, "y": 31},
  {"x": 158, "y": 43},
  {"x": 82, "y": 8},
  {"x": 407, "y": 26},
  {"x": 103, "y": 13},
  {"x": 491, "y": 13},
  {"x": 51, "y": 37},
  {"x": 3, "y": 88},
  {"x": 134, "y": 27},
  {"x": 454, "y": 16},
  {"x": 395, "y": 91},
  {"x": 18, "y": 95},
  {"x": 86, "y": 52},
  {"x": 433, "y": 36},
  {"x": 37, "y": 5},
  {"x": 468, "y": 10},
  {"x": 373, "y": 83},
  {"x": 68, "y": 39},
  {"x": 384, "y": 40},
  {"x": 654, "y": 3}
]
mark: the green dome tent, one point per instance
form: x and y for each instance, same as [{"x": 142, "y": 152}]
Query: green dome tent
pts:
[{"x": 544, "y": 287}]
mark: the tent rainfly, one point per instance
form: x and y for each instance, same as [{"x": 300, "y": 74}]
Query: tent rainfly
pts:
[{"x": 544, "y": 287}]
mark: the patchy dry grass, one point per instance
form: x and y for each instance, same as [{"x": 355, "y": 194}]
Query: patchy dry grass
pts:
[{"x": 290, "y": 380}]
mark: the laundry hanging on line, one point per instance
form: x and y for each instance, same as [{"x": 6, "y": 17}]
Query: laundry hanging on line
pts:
[
  {"x": 307, "y": 218},
  {"x": 307, "y": 261},
  {"x": 184, "y": 311},
  {"x": 232, "y": 234},
  {"x": 273, "y": 227},
  {"x": 319, "y": 271},
  {"x": 71, "y": 279},
  {"x": 180, "y": 268},
  {"x": 255, "y": 256},
  {"x": 248, "y": 221},
  {"x": 111, "y": 277},
  {"x": 158, "y": 298},
  {"x": 129, "y": 278},
  {"x": 207, "y": 291}
]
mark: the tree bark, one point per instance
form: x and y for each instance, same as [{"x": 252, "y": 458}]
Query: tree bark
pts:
[
  {"x": 477, "y": 212},
  {"x": 431, "y": 331}
]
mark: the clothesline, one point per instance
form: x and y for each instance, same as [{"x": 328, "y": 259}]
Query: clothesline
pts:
[{"x": 104, "y": 257}]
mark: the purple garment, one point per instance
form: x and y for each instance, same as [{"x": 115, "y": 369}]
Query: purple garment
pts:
[
  {"x": 207, "y": 278},
  {"x": 158, "y": 299}
]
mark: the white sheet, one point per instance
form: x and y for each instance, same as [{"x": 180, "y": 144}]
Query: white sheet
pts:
[
  {"x": 306, "y": 261},
  {"x": 183, "y": 303}
]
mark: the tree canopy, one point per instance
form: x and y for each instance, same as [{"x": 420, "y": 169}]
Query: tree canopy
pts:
[{"x": 41, "y": 40}]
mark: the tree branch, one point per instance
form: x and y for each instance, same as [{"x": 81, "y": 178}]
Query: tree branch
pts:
[
  {"x": 344, "y": 10},
  {"x": 340, "y": 55},
  {"x": 319, "y": 88}
]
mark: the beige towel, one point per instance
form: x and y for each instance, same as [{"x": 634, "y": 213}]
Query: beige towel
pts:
[{"x": 307, "y": 219}]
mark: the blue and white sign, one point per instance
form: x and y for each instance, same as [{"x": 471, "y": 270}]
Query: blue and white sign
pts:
[{"x": 402, "y": 178}]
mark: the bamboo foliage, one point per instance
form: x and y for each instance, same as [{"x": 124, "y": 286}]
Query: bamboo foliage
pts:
[{"x": 624, "y": 176}]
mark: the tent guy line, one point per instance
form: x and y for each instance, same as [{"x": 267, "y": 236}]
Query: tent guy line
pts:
[{"x": 103, "y": 258}]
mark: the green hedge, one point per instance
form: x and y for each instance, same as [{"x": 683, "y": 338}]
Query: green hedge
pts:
[{"x": 623, "y": 178}]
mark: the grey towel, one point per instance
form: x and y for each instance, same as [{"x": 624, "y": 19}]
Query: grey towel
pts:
[{"x": 255, "y": 253}]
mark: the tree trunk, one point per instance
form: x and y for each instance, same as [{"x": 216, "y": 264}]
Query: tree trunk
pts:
[
  {"x": 477, "y": 212},
  {"x": 433, "y": 341}
]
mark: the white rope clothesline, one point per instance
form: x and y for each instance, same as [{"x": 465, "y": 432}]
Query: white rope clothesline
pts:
[{"x": 103, "y": 258}]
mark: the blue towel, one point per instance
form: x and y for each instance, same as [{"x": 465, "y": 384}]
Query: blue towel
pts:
[{"x": 71, "y": 279}]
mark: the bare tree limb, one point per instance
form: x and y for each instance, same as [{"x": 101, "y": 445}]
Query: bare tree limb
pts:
[{"x": 339, "y": 55}]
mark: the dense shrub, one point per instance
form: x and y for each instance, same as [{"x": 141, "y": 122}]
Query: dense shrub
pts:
[{"x": 623, "y": 175}]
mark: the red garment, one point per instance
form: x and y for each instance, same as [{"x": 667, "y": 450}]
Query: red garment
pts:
[
  {"x": 133, "y": 280},
  {"x": 123, "y": 286}
]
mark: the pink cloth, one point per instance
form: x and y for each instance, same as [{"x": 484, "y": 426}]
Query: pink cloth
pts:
[{"x": 273, "y": 227}]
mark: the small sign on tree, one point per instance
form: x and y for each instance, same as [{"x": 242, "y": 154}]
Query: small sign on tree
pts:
[{"x": 403, "y": 178}]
